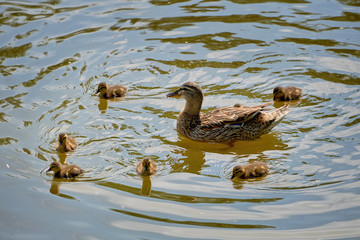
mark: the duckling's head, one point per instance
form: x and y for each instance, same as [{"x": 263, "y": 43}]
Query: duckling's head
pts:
[
  {"x": 278, "y": 92},
  {"x": 62, "y": 138},
  {"x": 55, "y": 167},
  {"x": 238, "y": 171},
  {"x": 147, "y": 164},
  {"x": 102, "y": 88},
  {"x": 188, "y": 91}
]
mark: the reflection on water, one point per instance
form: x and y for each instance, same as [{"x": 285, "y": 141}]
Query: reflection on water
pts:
[
  {"x": 52, "y": 56},
  {"x": 146, "y": 186}
]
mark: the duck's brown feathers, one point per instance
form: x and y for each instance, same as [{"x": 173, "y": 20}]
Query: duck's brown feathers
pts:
[
  {"x": 229, "y": 115},
  {"x": 146, "y": 167},
  {"x": 250, "y": 170},
  {"x": 65, "y": 143},
  {"x": 287, "y": 93},
  {"x": 226, "y": 124},
  {"x": 65, "y": 171},
  {"x": 111, "y": 91}
]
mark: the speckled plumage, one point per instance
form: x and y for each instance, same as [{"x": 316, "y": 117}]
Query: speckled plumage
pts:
[
  {"x": 251, "y": 170},
  {"x": 287, "y": 93},
  {"x": 146, "y": 167},
  {"x": 226, "y": 124},
  {"x": 65, "y": 143},
  {"x": 65, "y": 171},
  {"x": 110, "y": 91}
]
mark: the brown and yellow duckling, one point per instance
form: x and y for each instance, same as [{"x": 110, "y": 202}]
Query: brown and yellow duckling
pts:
[
  {"x": 251, "y": 170},
  {"x": 110, "y": 91},
  {"x": 287, "y": 93},
  {"x": 65, "y": 143},
  {"x": 65, "y": 171},
  {"x": 226, "y": 124},
  {"x": 146, "y": 167}
]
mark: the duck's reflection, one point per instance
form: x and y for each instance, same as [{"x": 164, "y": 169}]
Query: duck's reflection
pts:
[
  {"x": 103, "y": 105},
  {"x": 55, "y": 188},
  {"x": 146, "y": 186},
  {"x": 62, "y": 158}
]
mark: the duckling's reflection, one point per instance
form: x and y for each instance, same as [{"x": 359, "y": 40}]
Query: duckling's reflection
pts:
[
  {"x": 237, "y": 184},
  {"x": 103, "y": 105},
  {"x": 62, "y": 158},
  {"x": 146, "y": 186},
  {"x": 55, "y": 188}
]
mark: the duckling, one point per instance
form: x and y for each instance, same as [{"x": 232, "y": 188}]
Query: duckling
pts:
[
  {"x": 65, "y": 143},
  {"x": 146, "y": 167},
  {"x": 67, "y": 171},
  {"x": 250, "y": 170},
  {"x": 287, "y": 93},
  {"x": 238, "y": 105},
  {"x": 226, "y": 124},
  {"x": 110, "y": 91}
]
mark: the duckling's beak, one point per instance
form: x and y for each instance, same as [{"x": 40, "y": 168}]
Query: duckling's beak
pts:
[
  {"x": 232, "y": 177},
  {"x": 48, "y": 170},
  {"x": 146, "y": 168},
  {"x": 97, "y": 91},
  {"x": 173, "y": 94}
]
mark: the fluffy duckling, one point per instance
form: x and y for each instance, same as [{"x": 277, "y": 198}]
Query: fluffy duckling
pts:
[
  {"x": 287, "y": 93},
  {"x": 146, "y": 167},
  {"x": 238, "y": 105},
  {"x": 65, "y": 143},
  {"x": 226, "y": 124},
  {"x": 65, "y": 171},
  {"x": 110, "y": 91},
  {"x": 250, "y": 170}
]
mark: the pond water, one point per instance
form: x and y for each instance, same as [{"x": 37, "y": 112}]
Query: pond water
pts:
[{"x": 54, "y": 53}]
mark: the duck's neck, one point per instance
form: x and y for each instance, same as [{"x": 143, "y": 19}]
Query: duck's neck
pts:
[
  {"x": 189, "y": 118},
  {"x": 193, "y": 107}
]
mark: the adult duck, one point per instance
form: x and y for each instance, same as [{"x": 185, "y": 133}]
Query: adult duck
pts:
[{"x": 226, "y": 124}]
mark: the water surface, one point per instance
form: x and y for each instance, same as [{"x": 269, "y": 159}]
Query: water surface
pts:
[{"x": 54, "y": 53}]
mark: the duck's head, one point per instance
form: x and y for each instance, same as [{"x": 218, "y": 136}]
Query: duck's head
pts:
[
  {"x": 238, "y": 171},
  {"x": 102, "y": 87},
  {"x": 147, "y": 164},
  {"x": 62, "y": 138},
  {"x": 188, "y": 91},
  {"x": 55, "y": 167},
  {"x": 278, "y": 92}
]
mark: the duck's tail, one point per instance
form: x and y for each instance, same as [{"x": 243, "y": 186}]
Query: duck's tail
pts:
[{"x": 275, "y": 117}]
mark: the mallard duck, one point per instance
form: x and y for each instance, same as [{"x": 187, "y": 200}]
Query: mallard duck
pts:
[
  {"x": 65, "y": 171},
  {"x": 65, "y": 143},
  {"x": 287, "y": 93},
  {"x": 146, "y": 167},
  {"x": 110, "y": 91},
  {"x": 226, "y": 124},
  {"x": 250, "y": 170}
]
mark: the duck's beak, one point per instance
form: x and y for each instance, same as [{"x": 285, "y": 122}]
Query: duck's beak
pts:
[
  {"x": 48, "y": 170},
  {"x": 146, "y": 168},
  {"x": 232, "y": 177},
  {"x": 97, "y": 91},
  {"x": 173, "y": 94}
]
